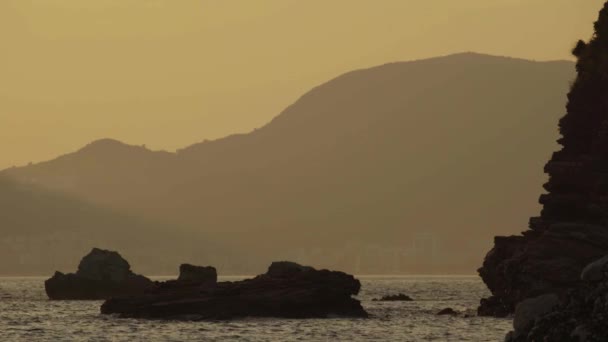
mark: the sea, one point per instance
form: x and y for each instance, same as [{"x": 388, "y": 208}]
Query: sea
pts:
[{"x": 27, "y": 315}]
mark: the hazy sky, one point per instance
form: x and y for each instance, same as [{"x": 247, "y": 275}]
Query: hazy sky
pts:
[{"x": 168, "y": 73}]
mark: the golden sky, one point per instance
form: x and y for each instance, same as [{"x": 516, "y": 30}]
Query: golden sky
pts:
[{"x": 168, "y": 73}]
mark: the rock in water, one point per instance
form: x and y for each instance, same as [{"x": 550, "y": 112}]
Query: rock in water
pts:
[
  {"x": 101, "y": 275},
  {"x": 572, "y": 229},
  {"x": 394, "y": 298},
  {"x": 447, "y": 312},
  {"x": 198, "y": 274},
  {"x": 286, "y": 290}
]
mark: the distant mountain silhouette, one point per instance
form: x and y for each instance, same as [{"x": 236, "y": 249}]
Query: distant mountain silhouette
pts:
[
  {"x": 404, "y": 167},
  {"x": 44, "y": 230}
]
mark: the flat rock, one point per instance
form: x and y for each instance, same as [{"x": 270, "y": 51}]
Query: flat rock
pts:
[
  {"x": 286, "y": 290},
  {"x": 286, "y": 269}
]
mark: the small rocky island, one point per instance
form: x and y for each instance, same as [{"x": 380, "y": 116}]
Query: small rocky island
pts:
[
  {"x": 286, "y": 290},
  {"x": 394, "y": 298},
  {"x": 101, "y": 275},
  {"x": 554, "y": 277}
]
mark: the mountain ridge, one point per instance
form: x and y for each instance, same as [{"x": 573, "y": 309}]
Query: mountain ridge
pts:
[
  {"x": 366, "y": 159},
  {"x": 109, "y": 142}
]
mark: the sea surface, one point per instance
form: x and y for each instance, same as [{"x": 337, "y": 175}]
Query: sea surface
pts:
[{"x": 27, "y": 315}]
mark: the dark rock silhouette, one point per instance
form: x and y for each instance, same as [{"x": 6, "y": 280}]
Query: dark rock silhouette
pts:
[
  {"x": 394, "y": 298},
  {"x": 101, "y": 274},
  {"x": 595, "y": 271},
  {"x": 286, "y": 290},
  {"x": 191, "y": 279},
  {"x": 572, "y": 229},
  {"x": 528, "y": 311},
  {"x": 580, "y": 315},
  {"x": 286, "y": 269},
  {"x": 198, "y": 274},
  {"x": 447, "y": 312}
]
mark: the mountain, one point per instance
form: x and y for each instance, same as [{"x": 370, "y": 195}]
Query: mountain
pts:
[
  {"x": 404, "y": 167},
  {"x": 43, "y": 231}
]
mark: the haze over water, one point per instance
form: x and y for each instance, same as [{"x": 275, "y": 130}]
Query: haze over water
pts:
[
  {"x": 388, "y": 137},
  {"x": 171, "y": 73}
]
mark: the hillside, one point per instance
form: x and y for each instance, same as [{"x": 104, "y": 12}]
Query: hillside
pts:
[
  {"x": 43, "y": 231},
  {"x": 405, "y": 167}
]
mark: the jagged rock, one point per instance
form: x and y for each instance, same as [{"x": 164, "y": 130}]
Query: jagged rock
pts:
[
  {"x": 286, "y": 290},
  {"x": 101, "y": 275},
  {"x": 394, "y": 298},
  {"x": 572, "y": 229},
  {"x": 541, "y": 262},
  {"x": 198, "y": 274},
  {"x": 447, "y": 312}
]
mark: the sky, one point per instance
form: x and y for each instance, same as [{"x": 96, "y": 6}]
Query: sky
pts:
[{"x": 169, "y": 73}]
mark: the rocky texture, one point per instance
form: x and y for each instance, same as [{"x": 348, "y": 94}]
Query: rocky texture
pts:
[
  {"x": 572, "y": 229},
  {"x": 528, "y": 310},
  {"x": 581, "y": 316},
  {"x": 286, "y": 290},
  {"x": 199, "y": 274},
  {"x": 101, "y": 275},
  {"x": 538, "y": 263},
  {"x": 394, "y": 298}
]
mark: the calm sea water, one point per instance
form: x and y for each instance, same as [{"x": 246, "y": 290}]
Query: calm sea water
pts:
[{"x": 27, "y": 315}]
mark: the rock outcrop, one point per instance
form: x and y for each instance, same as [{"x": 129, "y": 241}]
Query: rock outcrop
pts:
[
  {"x": 538, "y": 263},
  {"x": 580, "y": 316},
  {"x": 286, "y": 290},
  {"x": 531, "y": 309},
  {"x": 394, "y": 298},
  {"x": 101, "y": 275},
  {"x": 572, "y": 229},
  {"x": 198, "y": 274}
]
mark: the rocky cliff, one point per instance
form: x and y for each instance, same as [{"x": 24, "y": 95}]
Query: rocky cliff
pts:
[{"x": 572, "y": 229}]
